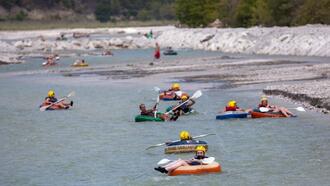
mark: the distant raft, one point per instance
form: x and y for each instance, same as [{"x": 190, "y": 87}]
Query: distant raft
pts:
[
  {"x": 197, "y": 169},
  {"x": 184, "y": 146},
  {"x": 257, "y": 114},
  {"x": 232, "y": 115},
  {"x": 80, "y": 65},
  {"x": 170, "y": 53}
]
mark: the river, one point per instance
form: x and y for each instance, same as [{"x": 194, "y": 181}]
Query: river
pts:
[{"x": 98, "y": 143}]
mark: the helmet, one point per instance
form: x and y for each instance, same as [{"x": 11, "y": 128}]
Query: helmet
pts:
[
  {"x": 184, "y": 98},
  {"x": 184, "y": 135},
  {"x": 264, "y": 98},
  {"x": 51, "y": 93},
  {"x": 175, "y": 86},
  {"x": 232, "y": 103},
  {"x": 200, "y": 148}
]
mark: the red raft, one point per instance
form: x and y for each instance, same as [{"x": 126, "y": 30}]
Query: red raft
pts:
[
  {"x": 197, "y": 169},
  {"x": 256, "y": 114}
]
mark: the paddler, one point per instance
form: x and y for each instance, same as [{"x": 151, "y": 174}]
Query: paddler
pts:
[
  {"x": 186, "y": 106},
  {"x": 197, "y": 160},
  {"x": 175, "y": 91},
  {"x": 232, "y": 106},
  {"x": 50, "y": 99},
  {"x": 151, "y": 113},
  {"x": 273, "y": 108}
]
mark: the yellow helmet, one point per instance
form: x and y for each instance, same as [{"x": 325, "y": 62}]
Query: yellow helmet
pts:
[
  {"x": 200, "y": 148},
  {"x": 264, "y": 98},
  {"x": 232, "y": 103},
  {"x": 184, "y": 135},
  {"x": 175, "y": 86},
  {"x": 51, "y": 93},
  {"x": 184, "y": 98}
]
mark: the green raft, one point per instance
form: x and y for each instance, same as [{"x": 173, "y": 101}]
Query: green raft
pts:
[{"x": 142, "y": 118}]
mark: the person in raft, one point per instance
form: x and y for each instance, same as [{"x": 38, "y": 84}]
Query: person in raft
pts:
[
  {"x": 50, "y": 99},
  {"x": 157, "y": 52},
  {"x": 175, "y": 91},
  {"x": 151, "y": 113},
  {"x": 273, "y": 108},
  {"x": 197, "y": 160},
  {"x": 232, "y": 106},
  {"x": 186, "y": 107}
]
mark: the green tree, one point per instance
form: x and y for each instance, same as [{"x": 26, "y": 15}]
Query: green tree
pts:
[
  {"x": 312, "y": 12},
  {"x": 282, "y": 11},
  {"x": 197, "y": 13},
  {"x": 244, "y": 13},
  {"x": 261, "y": 14},
  {"x": 103, "y": 10}
]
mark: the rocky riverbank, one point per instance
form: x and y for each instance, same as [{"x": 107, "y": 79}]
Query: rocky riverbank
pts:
[{"x": 310, "y": 40}]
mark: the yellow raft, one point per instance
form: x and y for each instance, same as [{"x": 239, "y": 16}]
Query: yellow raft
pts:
[{"x": 80, "y": 65}]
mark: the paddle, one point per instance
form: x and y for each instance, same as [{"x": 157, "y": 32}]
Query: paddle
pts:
[
  {"x": 157, "y": 89},
  {"x": 300, "y": 109},
  {"x": 196, "y": 137},
  {"x": 165, "y": 161},
  {"x": 157, "y": 103},
  {"x": 196, "y": 95},
  {"x": 65, "y": 97}
]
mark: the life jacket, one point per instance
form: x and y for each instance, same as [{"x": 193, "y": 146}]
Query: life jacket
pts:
[
  {"x": 197, "y": 162},
  {"x": 231, "y": 108},
  {"x": 51, "y": 99}
]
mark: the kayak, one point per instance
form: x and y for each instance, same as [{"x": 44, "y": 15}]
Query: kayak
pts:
[
  {"x": 184, "y": 146},
  {"x": 80, "y": 65},
  {"x": 231, "y": 115},
  {"x": 196, "y": 169},
  {"x": 170, "y": 53},
  {"x": 142, "y": 118},
  {"x": 258, "y": 114}
]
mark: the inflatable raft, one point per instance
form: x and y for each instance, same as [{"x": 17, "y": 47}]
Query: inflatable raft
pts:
[
  {"x": 197, "y": 169},
  {"x": 80, "y": 65},
  {"x": 184, "y": 146},
  {"x": 258, "y": 114},
  {"x": 53, "y": 107},
  {"x": 171, "y": 95},
  {"x": 170, "y": 53},
  {"x": 45, "y": 64},
  {"x": 142, "y": 118},
  {"x": 231, "y": 115}
]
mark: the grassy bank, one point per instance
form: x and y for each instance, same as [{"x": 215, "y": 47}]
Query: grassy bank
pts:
[{"x": 43, "y": 25}]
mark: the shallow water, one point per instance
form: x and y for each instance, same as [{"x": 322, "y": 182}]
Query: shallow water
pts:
[{"x": 98, "y": 143}]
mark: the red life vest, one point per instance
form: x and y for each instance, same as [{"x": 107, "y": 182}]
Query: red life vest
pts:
[{"x": 231, "y": 108}]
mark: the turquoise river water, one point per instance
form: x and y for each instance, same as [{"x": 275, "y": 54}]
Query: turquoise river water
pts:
[{"x": 98, "y": 143}]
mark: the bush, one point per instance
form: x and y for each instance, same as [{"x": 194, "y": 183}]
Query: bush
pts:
[{"x": 21, "y": 16}]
